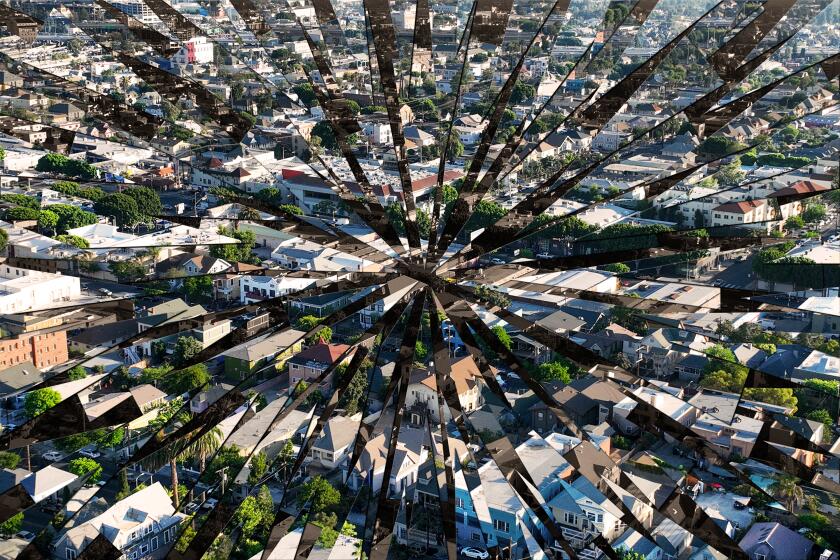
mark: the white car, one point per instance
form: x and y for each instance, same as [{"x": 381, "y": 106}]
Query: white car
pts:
[
  {"x": 545, "y": 256},
  {"x": 477, "y": 553},
  {"x": 497, "y": 261},
  {"x": 209, "y": 504},
  {"x": 52, "y": 456},
  {"x": 25, "y": 535},
  {"x": 92, "y": 453}
]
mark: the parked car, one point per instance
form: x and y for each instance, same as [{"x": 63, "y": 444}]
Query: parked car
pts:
[
  {"x": 25, "y": 535},
  {"x": 90, "y": 452},
  {"x": 209, "y": 504},
  {"x": 476, "y": 553},
  {"x": 545, "y": 256},
  {"x": 497, "y": 260},
  {"x": 106, "y": 292},
  {"x": 51, "y": 456}
]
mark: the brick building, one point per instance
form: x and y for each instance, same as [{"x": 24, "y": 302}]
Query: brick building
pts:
[{"x": 42, "y": 349}]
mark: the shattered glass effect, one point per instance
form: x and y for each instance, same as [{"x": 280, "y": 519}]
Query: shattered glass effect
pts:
[{"x": 436, "y": 280}]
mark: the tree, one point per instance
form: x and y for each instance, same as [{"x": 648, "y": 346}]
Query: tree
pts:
[
  {"x": 58, "y": 163},
  {"x": 85, "y": 465},
  {"x": 305, "y": 93},
  {"x": 731, "y": 174},
  {"x": 185, "y": 380},
  {"x": 629, "y": 554},
  {"x": 456, "y": 147},
  {"x": 814, "y": 213},
  {"x": 239, "y": 252},
  {"x": 4, "y": 240},
  {"x": 248, "y": 516},
  {"x": 307, "y": 322},
  {"x": 502, "y": 335},
  {"x": 320, "y": 493},
  {"x": 421, "y": 352},
  {"x": 324, "y": 334},
  {"x": 47, "y": 221},
  {"x": 186, "y": 348},
  {"x": 325, "y": 132},
  {"x": 76, "y": 372},
  {"x": 354, "y": 395},
  {"x": 522, "y": 92},
  {"x": 822, "y": 415},
  {"x": 9, "y": 460},
  {"x": 772, "y": 395},
  {"x": 204, "y": 447},
  {"x": 12, "y": 525},
  {"x": 554, "y": 371},
  {"x": 40, "y": 400},
  {"x": 148, "y": 200},
  {"x": 618, "y": 268},
  {"x": 71, "y": 217},
  {"x": 121, "y": 206},
  {"x": 21, "y": 214},
  {"x": 127, "y": 271},
  {"x": 794, "y": 222},
  {"x": 74, "y": 240},
  {"x": 259, "y": 466},
  {"x": 198, "y": 288},
  {"x": 787, "y": 489}
]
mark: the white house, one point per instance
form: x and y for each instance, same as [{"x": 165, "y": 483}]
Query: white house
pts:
[{"x": 139, "y": 525}]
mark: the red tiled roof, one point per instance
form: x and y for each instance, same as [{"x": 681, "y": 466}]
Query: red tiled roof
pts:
[
  {"x": 322, "y": 353},
  {"x": 215, "y": 163},
  {"x": 740, "y": 207},
  {"x": 431, "y": 180},
  {"x": 800, "y": 187}
]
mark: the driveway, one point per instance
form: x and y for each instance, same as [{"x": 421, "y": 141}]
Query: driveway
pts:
[{"x": 724, "y": 503}]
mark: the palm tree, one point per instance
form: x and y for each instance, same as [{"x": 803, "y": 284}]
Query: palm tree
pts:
[
  {"x": 787, "y": 489},
  {"x": 204, "y": 447},
  {"x": 155, "y": 461}
]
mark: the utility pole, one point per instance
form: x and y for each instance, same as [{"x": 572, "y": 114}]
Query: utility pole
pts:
[{"x": 223, "y": 470}]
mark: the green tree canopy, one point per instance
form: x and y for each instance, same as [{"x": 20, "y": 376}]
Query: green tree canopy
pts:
[
  {"x": 320, "y": 493},
  {"x": 122, "y": 207},
  {"x": 84, "y": 465},
  {"x": 186, "y": 348},
  {"x": 554, "y": 371},
  {"x": 148, "y": 200},
  {"x": 40, "y": 400}
]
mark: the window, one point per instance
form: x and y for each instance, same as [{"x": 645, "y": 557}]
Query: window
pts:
[
  {"x": 600, "y": 518},
  {"x": 70, "y": 554},
  {"x": 166, "y": 537},
  {"x": 571, "y": 518},
  {"x": 501, "y": 526},
  {"x": 459, "y": 503},
  {"x": 144, "y": 549},
  {"x": 476, "y": 536},
  {"x": 760, "y": 556}
]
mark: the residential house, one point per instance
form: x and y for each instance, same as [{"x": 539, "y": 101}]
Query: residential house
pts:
[
  {"x": 422, "y": 395},
  {"x": 774, "y": 541},
  {"x": 409, "y": 455},
  {"x": 583, "y": 513},
  {"x": 245, "y": 359},
  {"x": 253, "y": 289},
  {"x": 736, "y": 438},
  {"x": 140, "y": 526},
  {"x": 313, "y": 361},
  {"x": 334, "y": 445},
  {"x": 46, "y": 483}
]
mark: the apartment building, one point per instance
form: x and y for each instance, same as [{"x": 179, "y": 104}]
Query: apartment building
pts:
[
  {"x": 24, "y": 290},
  {"x": 44, "y": 350}
]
